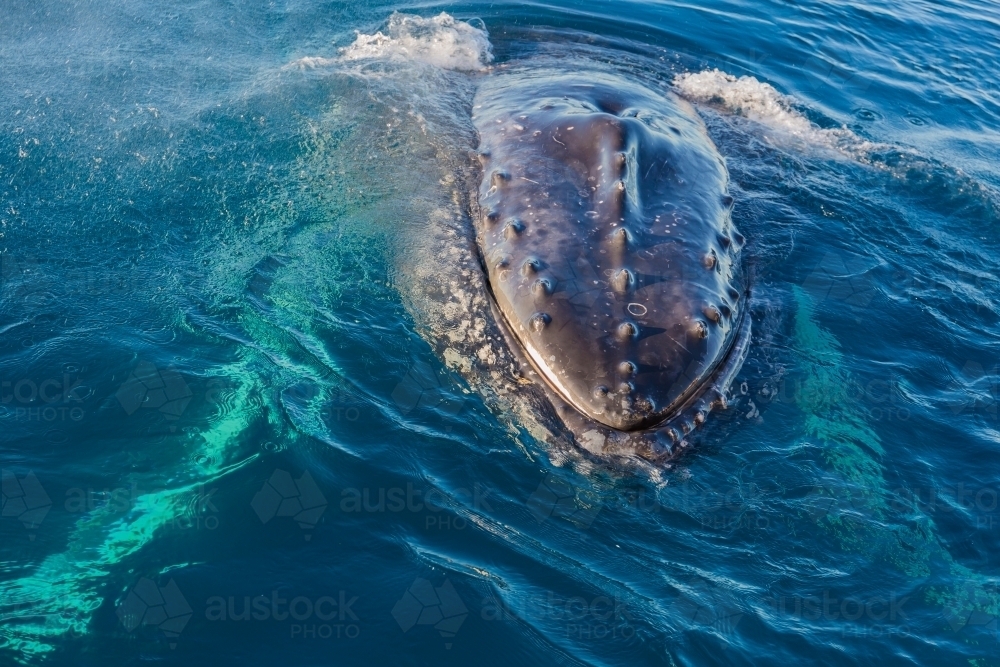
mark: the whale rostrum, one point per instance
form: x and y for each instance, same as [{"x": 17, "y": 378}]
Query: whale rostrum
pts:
[{"x": 604, "y": 228}]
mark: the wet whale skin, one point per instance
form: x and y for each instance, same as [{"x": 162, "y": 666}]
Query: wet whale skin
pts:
[{"x": 604, "y": 228}]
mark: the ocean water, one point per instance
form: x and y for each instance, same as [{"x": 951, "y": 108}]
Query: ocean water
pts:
[{"x": 231, "y": 430}]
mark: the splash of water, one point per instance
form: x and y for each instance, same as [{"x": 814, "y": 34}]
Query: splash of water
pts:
[
  {"x": 440, "y": 40},
  {"x": 761, "y": 102}
]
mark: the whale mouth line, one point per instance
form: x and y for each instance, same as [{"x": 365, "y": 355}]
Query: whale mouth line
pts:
[{"x": 716, "y": 380}]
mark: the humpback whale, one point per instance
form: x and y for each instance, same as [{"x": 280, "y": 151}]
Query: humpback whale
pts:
[{"x": 603, "y": 225}]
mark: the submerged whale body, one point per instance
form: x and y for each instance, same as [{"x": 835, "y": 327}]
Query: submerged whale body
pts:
[{"x": 604, "y": 228}]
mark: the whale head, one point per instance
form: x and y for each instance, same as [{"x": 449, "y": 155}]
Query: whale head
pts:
[{"x": 605, "y": 232}]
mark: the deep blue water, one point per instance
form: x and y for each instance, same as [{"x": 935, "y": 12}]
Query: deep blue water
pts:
[{"x": 225, "y": 435}]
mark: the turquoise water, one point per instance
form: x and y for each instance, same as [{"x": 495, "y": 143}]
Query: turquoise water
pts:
[{"x": 232, "y": 432}]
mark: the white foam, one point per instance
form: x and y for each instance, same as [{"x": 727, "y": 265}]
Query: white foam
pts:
[
  {"x": 441, "y": 40},
  {"x": 761, "y": 102}
]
